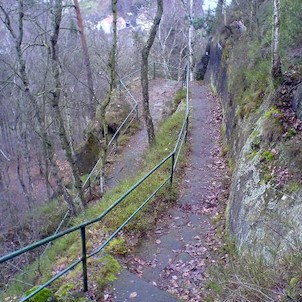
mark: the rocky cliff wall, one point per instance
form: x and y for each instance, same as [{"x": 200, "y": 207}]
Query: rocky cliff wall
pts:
[{"x": 263, "y": 139}]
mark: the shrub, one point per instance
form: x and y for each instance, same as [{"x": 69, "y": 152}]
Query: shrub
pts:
[
  {"x": 106, "y": 273},
  {"x": 267, "y": 155},
  {"x": 272, "y": 129},
  {"x": 117, "y": 246},
  {"x": 246, "y": 278}
]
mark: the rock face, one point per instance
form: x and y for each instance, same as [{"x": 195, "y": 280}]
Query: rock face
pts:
[
  {"x": 297, "y": 101},
  {"x": 202, "y": 65},
  {"x": 264, "y": 212},
  {"x": 88, "y": 153}
]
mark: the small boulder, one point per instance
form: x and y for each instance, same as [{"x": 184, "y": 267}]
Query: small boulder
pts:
[
  {"x": 297, "y": 101},
  {"x": 202, "y": 65}
]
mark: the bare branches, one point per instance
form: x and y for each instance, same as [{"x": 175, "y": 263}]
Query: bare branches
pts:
[{"x": 7, "y": 21}]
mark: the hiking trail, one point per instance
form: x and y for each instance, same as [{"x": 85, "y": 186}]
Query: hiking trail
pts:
[{"x": 172, "y": 261}]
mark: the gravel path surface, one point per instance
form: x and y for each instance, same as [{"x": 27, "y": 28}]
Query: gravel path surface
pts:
[{"x": 171, "y": 264}]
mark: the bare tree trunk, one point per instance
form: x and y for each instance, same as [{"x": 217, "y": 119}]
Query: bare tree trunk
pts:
[
  {"x": 111, "y": 69},
  {"x": 106, "y": 102},
  {"x": 56, "y": 94},
  {"x": 276, "y": 61},
  {"x": 86, "y": 56},
  {"x": 144, "y": 72},
  {"x": 6, "y": 131}
]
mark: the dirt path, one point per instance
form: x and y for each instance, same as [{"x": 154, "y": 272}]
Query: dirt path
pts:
[
  {"x": 171, "y": 264},
  {"x": 126, "y": 164}
]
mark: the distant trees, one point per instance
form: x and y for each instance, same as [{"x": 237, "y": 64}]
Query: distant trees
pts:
[
  {"x": 32, "y": 101},
  {"x": 220, "y": 11},
  {"x": 171, "y": 37},
  {"x": 144, "y": 72},
  {"x": 44, "y": 86},
  {"x": 53, "y": 71}
]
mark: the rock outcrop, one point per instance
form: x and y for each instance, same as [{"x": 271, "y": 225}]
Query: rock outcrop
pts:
[
  {"x": 263, "y": 137},
  {"x": 297, "y": 101}
]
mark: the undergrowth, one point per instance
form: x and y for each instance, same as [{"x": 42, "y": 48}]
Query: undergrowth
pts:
[
  {"x": 248, "y": 278},
  {"x": 67, "y": 249}
]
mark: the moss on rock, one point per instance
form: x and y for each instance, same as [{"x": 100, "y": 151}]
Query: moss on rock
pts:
[{"x": 45, "y": 295}]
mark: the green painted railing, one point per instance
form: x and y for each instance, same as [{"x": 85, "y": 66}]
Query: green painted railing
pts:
[{"x": 81, "y": 228}]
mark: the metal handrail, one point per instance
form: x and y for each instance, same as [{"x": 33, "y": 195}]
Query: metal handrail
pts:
[
  {"x": 82, "y": 227},
  {"x": 90, "y": 179}
]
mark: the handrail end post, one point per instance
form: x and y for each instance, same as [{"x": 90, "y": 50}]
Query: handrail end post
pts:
[
  {"x": 187, "y": 128},
  {"x": 89, "y": 185},
  {"x": 84, "y": 259}
]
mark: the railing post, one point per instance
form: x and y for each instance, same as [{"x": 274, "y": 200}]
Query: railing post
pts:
[
  {"x": 154, "y": 71},
  {"x": 187, "y": 127},
  {"x": 116, "y": 144},
  {"x": 84, "y": 259},
  {"x": 89, "y": 185},
  {"x": 137, "y": 112},
  {"x": 172, "y": 169}
]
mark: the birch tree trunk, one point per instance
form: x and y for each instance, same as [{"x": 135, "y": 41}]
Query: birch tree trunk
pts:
[
  {"x": 276, "y": 61},
  {"x": 191, "y": 39},
  {"x": 144, "y": 72}
]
